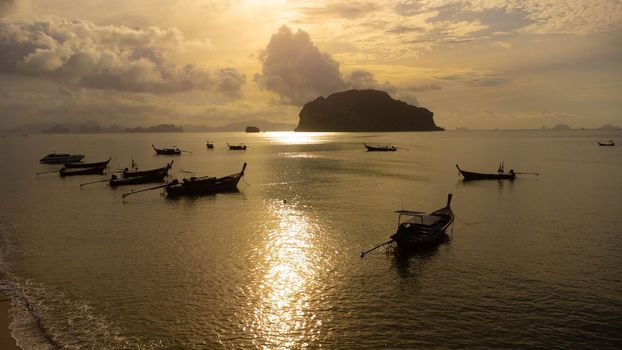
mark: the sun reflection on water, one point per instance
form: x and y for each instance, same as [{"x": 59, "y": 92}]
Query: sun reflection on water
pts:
[
  {"x": 296, "y": 138},
  {"x": 282, "y": 319}
]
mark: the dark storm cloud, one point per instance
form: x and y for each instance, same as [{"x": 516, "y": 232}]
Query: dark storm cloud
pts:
[
  {"x": 295, "y": 69},
  {"x": 106, "y": 57}
]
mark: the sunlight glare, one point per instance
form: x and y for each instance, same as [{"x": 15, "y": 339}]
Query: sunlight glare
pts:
[
  {"x": 281, "y": 318},
  {"x": 296, "y": 138}
]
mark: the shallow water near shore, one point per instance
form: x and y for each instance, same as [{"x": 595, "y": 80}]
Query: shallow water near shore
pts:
[{"x": 533, "y": 262}]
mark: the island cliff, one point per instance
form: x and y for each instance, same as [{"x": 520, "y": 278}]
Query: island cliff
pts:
[{"x": 364, "y": 110}]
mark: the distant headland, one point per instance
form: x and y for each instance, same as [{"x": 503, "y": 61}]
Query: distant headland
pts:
[
  {"x": 364, "y": 110},
  {"x": 567, "y": 127},
  {"x": 157, "y": 128},
  {"x": 94, "y": 128}
]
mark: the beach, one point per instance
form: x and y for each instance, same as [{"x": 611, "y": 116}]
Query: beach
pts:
[{"x": 6, "y": 340}]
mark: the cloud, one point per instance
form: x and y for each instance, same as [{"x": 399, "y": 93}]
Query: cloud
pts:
[
  {"x": 294, "y": 68},
  {"x": 474, "y": 79},
  {"x": 423, "y": 88},
  {"x": 11, "y": 7},
  {"x": 362, "y": 79},
  {"x": 107, "y": 57},
  {"x": 527, "y": 16},
  {"x": 349, "y": 10}
]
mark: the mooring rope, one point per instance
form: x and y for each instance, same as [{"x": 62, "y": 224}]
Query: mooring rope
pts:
[{"x": 471, "y": 223}]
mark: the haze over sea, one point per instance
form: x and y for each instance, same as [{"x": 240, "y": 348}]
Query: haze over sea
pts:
[{"x": 532, "y": 263}]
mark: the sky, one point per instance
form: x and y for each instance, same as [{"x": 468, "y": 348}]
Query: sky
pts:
[{"x": 476, "y": 64}]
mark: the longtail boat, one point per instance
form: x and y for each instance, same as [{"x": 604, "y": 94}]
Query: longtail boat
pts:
[
  {"x": 198, "y": 185},
  {"x": 60, "y": 158},
  {"x": 137, "y": 180},
  {"x": 240, "y": 147},
  {"x": 500, "y": 175},
  {"x": 86, "y": 165},
  {"x": 610, "y": 143},
  {"x": 385, "y": 148},
  {"x": 167, "y": 151},
  {"x": 204, "y": 185},
  {"x": 423, "y": 230},
  {"x": 420, "y": 230},
  {"x": 127, "y": 173},
  {"x": 88, "y": 171}
]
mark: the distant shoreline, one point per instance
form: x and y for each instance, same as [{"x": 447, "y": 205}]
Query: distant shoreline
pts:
[{"x": 11, "y": 133}]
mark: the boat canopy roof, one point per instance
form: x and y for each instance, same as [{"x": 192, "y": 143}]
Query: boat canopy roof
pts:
[
  {"x": 51, "y": 155},
  {"x": 424, "y": 219},
  {"x": 409, "y": 212}
]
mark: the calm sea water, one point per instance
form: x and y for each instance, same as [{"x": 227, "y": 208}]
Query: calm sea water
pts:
[{"x": 533, "y": 263}]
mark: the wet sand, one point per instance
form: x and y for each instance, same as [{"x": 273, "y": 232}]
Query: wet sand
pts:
[{"x": 6, "y": 341}]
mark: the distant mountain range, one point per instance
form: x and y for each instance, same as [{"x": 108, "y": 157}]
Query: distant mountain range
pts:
[
  {"x": 567, "y": 127},
  {"x": 609, "y": 127},
  {"x": 92, "y": 127},
  {"x": 263, "y": 125}
]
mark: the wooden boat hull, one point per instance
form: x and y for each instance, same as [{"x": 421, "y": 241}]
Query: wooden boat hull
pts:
[
  {"x": 86, "y": 165},
  {"x": 606, "y": 144},
  {"x": 165, "y": 169},
  {"x": 61, "y": 160},
  {"x": 89, "y": 171},
  {"x": 237, "y": 148},
  {"x": 205, "y": 186},
  {"x": 167, "y": 151},
  {"x": 137, "y": 180},
  {"x": 469, "y": 175},
  {"x": 380, "y": 149}
]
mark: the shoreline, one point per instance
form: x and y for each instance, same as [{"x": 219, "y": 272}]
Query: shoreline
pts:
[{"x": 7, "y": 342}]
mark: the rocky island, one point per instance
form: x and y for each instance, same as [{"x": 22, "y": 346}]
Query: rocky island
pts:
[{"x": 364, "y": 110}]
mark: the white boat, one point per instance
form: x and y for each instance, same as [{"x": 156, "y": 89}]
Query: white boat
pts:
[{"x": 61, "y": 158}]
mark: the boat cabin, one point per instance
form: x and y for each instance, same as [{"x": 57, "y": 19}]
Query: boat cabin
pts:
[{"x": 413, "y": 222}]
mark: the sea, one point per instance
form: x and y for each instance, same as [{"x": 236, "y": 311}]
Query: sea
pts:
[{"x": 531, "y": 263}]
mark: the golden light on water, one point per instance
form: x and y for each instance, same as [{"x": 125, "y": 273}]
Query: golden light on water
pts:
[
  {"x": 296, "y": 138},
  {"x": 282, "y": 317}
]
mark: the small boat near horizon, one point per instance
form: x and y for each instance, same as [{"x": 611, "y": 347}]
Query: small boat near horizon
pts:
[
  {"x": 61, "y": 158},
  {"x": 500, "y": 175},
  {"x": 167, "y": 151},
  {"x": 210, "y": 145},
  {"x": 379, "y": 148},
  {"x": 610, "y": 143},
  {"x": 87, "y": 165},
  {"x": 240, "y": 147}
]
